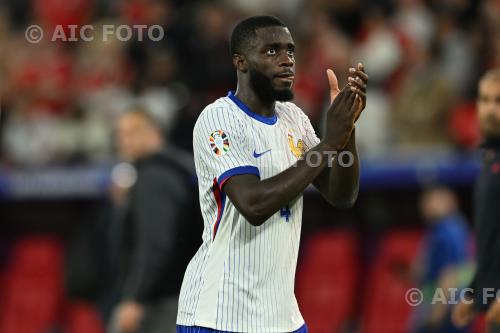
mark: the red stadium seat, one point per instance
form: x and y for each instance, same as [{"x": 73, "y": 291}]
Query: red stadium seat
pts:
[
  {"x": 385, "y": 309},
  {"x": 82, "y": 317},
  {"x": 327, "y": 280},
  {"x": 33, "y": 286}
]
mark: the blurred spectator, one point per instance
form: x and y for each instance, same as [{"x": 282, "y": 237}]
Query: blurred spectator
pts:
[
  {"x": 414, "y": 20},
  {"x": 288, "y": 9},
  {"x": 380, "y": 47},
  {"x": 444, "y": 259},
  {"x": 420, "y": 111},
  {"x": 491, "y": 33},
  {"x": 204, "y": 51},
  {"x": 456, "y": 60},
  {"x": 153, "y": 206},
  {"x": 159, "y": 89},
  {"x": 486, "y": 282},
  {"x": 323, "y": 46}
]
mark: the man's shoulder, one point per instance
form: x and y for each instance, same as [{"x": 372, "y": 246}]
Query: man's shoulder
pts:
[
  {"x": 221, "y": 111},
  {"x": 219, "y": 105}
]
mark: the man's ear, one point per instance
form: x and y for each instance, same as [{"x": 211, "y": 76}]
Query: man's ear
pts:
[{"x": 240, "y": 63}]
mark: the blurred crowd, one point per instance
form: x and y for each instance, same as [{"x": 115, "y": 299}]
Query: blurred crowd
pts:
[{"x": 59, "y": 99}]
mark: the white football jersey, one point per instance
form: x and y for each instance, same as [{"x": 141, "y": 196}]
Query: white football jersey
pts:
[{"x": 242, "y": 277}]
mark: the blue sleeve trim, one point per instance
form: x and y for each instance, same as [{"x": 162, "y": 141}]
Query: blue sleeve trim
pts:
[{"x": 241, "y": 170}]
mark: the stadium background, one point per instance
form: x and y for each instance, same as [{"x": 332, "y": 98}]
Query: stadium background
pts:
[{"x": 59, "y": 101}]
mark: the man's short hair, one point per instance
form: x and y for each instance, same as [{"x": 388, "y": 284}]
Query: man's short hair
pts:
[{"x": 245, "y": 31}]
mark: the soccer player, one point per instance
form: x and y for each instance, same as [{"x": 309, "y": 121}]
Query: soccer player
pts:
[
  {"x": 255, "y": 153},
  {"x": 486, "y": 282}
]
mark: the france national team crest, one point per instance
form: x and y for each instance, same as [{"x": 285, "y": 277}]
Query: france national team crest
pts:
[
  {"x": 219, "y": 142},
  {"x": 298, "y": 149}
]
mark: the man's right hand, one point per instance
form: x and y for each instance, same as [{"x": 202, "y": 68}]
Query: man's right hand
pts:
[{"x": 463, "y": 314}]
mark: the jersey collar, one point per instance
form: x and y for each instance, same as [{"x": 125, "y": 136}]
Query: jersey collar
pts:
[{"x": 266, "y": 120}]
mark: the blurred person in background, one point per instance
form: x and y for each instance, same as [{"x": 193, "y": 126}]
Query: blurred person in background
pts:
[
  {"x": 152, "y": 195},
  {"x": 421, "y": 104},
  {"x": 486, "y": 282},
  {"x": 444, "y": 258}
]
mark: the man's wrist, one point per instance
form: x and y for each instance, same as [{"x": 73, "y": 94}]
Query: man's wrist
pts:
[
  {"x": 338, "y": 147},
  {"x": 327, "y": 147}
]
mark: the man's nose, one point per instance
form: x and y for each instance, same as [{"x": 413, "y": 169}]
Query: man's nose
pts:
[{"x": 287, "y": 60}]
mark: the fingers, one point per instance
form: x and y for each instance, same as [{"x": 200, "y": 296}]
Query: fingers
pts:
[
  {"x": 342, "y": 97},
  {"x": 357, "y": 82},
  {"x": 361, "y": 94},
  {"x": 343, "y": 101},
  {"x": 351, "y": 97},
  {"x": 358, "y": 79},
  {"x": 334, "y": 84},
  {"x": 358, "y": 104},
  {"x": 359, "y": 90},
  {"x": 359, "y": 72},
  {"x": 361, "y": 67},
  {"x": 332, "y": 79},
  {"x": 353, "y": 92}
]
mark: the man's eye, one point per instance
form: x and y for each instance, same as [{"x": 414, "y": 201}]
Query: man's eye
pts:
[
  {"x": 290, "y": 53},
  {"x": 271, "y": 52}
]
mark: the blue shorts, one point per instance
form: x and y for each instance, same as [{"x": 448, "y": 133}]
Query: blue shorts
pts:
[{"x": 197, "y": 329}]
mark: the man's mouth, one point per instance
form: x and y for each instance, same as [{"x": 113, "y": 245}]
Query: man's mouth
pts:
[{"x": 286, "y": 76}]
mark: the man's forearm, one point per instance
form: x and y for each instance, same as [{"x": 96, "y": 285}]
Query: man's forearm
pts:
[
  {"x": 259, "y": 200},
  {"x": 339, "y": 184}
]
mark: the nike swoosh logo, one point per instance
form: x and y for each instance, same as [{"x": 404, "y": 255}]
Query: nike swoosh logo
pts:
[{"x": 257, "y": 155}]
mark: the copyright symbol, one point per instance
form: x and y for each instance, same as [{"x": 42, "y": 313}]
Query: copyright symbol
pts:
[
  {"x": 34, "y": 34},
  {"x": 414, "y": 297}
]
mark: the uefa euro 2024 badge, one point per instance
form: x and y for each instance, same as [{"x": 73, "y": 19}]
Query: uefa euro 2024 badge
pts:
[{"x": 219, "y": 142}]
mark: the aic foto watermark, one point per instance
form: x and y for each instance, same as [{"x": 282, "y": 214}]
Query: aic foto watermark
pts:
[
  {"x": 344, "y": 158},
  {"x": 415, "y": 296},
  {"x": 88, "y": 33}
]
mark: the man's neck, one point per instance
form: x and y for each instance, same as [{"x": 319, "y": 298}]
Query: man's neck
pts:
[{"x": 255, "y": 104}]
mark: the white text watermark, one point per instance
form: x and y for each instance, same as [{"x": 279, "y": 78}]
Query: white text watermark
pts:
[
  {"x": 87, "y": 33},
  {"x": 450, "y": 296},
  {"x": 344, "y": 159}
]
